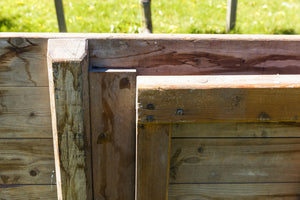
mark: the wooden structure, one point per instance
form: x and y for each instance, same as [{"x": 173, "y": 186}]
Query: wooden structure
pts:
[{"x": 97, "y": 116}]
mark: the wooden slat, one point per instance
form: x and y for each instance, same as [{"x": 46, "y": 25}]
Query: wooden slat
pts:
[
  {"x": 235, "y": 160},
  {"x": 267, "y": 191},
  {"x": 23, "y": 61},
  {"x": 220, "y": 105},
  {"x": 25, "y": 112},
  {"x": 113, "y": 133},
  {"x": 272, "y": 129},
  {"x": 25, "y": 192},
  {"x": 26, "y": 161},
  {"x": 153, "y": 145},
  {"x": 198, "y": 54},
  {"x": 69, "y": 98}
]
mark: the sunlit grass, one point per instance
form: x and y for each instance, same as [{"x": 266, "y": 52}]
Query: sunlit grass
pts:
[{"x": 124, "y": 16}]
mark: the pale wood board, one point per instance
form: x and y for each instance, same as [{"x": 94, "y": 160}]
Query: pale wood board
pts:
[
  {"x": 235, "y": 129},
  {"x": 25, "y": 192},
  {"x": 25, "y": 112},
  {"x": 153, "y": 148},
  {"x": 26, "y": 161},
  {"x": 69, "y": 98},
  {"x": 220, "y": 105},
  {"x": 235, "y": 160},
  {"x": 23, "y": 61},
  {"x": 265, "y": 191},
  {"x": 113, "y": 128}
]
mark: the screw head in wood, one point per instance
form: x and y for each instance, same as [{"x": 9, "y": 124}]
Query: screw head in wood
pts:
[
  {"x": 150, "y": 118},
  {"x": 179, "y": 112},
  {"x": 150, "y": 106}
]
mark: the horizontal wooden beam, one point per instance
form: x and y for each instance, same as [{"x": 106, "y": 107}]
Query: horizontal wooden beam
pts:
[
  {"x": 266, "y": 191},
  {"x": 228, "y": 160},
  {"x": 218, "y": 99},
  {"x": 26, "y": 161}
]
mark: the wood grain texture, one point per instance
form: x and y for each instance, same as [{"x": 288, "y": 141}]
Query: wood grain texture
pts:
[
  {"x": 153, "y": 145},
  {"x": 198, "y": 54},
  {"x": 25, "y": 192},
  {"x": 113, "y": 134},
  {"x": 220, "y": 105},
  {"x": 23, "y": 61},
  {"x": 69, "y": 98},
  {"x": 220, "y": 130},
  {"x": 235, "y": 160},
  {"x": 26, "y": 161},
  {"x": 25, "y": 112},
  {"x": 267, "y": 191}
]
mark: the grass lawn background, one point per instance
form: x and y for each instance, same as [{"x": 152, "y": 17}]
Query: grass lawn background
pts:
[{"x": 169, "y": 16}]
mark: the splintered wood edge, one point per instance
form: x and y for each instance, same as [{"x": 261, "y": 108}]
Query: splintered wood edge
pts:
[{"x": 217, "y": 81}]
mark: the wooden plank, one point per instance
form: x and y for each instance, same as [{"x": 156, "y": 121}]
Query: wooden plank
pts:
[
  {"x": 25, "y": 112},
  {"x": 272, "y": 129},
  {"x": 26, "y": 161},
  {"x": 147, "y": 21},
  {"x": 198, "y": 54},
  {"x": 69, "y": 98},
  {"x": 270, "y": 99},
  {"x": 153, "y": 147},
  {"x": 25, "y": 192},
  {"x": 60, "y": 16},
  {"x": 265, "y": 191},
  {"x": 113, "y": 119},
  {"x": 23, "y": 62},
  {"x": 235, "y": 160},
  {"x": 231, "y": 14}
]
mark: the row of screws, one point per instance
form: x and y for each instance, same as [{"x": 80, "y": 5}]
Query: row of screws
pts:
[{"x": 150, "y": 118}]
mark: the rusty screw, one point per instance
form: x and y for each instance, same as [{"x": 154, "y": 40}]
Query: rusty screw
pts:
[
  {"x": 150, "y": 107},
  {"x": 150, "y": 118},
  {"x": 179, "y": 112}
]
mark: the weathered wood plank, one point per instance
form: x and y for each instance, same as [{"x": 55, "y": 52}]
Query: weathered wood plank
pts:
[
  {"x": 235, "y": 160},
  {"x": 219, "y": 105},
  {"x": 23, "y": 61},
  {"x": 25, "y": 112},
  {"x": 153, "y": 147},
  {"x": 69, "y": 98},
  {"x": 198, "y": 54},
  {"x": 272, "y": 129},
  {"x": 25, "y": 192},
  {"x": 266, "y": 191},
  {"x": 113, "y": 118},
  {"x": 231, "y": 14},
  {"x": 26, "y": 161}
]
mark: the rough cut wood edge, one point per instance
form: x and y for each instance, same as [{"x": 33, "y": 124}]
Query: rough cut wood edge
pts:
[
  {"x": 113, "y": 126},
  {"x": 261, "y": 191},
  {"x": 219, "y": 81},
  {"x": 25, "y": 192},
  {"x": 153, "y": 161},
  {"x": 69, "y": 100}
]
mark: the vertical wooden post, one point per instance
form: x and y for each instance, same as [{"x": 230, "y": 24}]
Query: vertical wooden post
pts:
[
  {"x": 231, "y": 14},
  {"x": 147, "y": 21},
  {"x": 60, "y": 16},
  {"x": 69, "y": 100},
  {"x": 113, "y": 125}
]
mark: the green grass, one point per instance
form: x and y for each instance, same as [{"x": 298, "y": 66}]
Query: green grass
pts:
[{"x": 176, "y": 16}]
